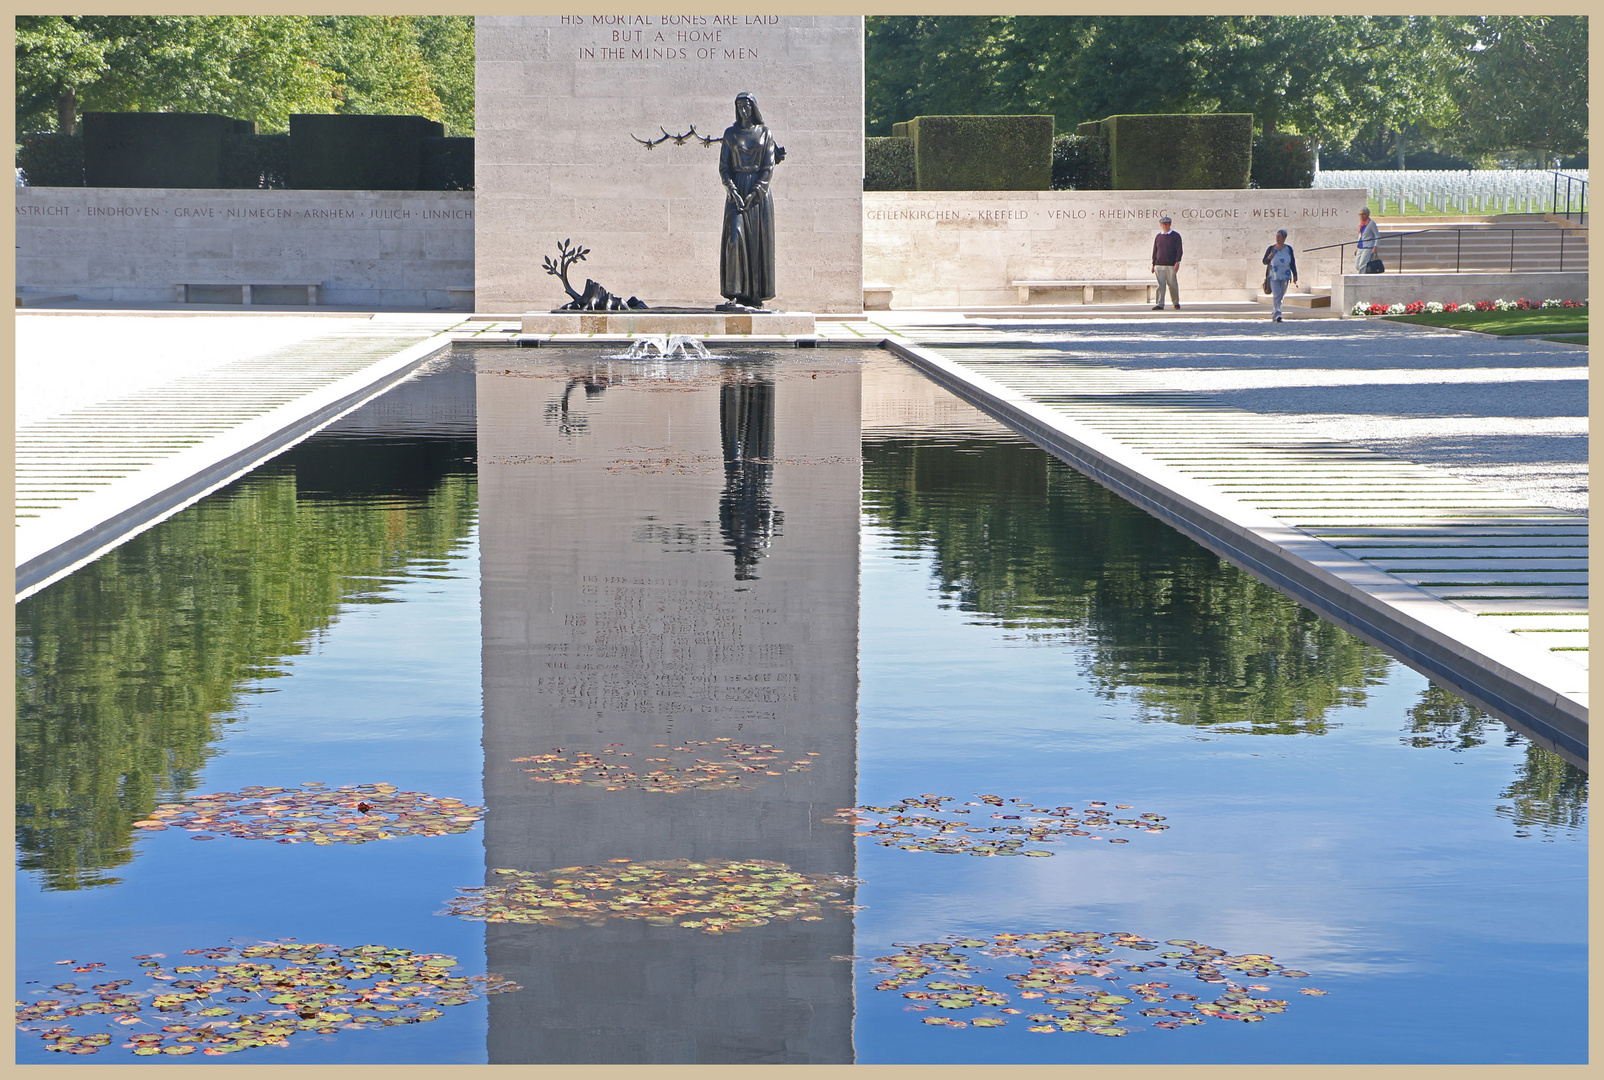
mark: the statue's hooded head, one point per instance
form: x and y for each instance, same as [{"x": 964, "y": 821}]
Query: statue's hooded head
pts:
[{"x": 757, "y": 115}]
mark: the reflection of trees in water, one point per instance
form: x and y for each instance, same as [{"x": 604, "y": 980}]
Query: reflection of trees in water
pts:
[
  {"x": 1446, "y": 721},
  {"x": 746, "y": 516},
  {"x": 1020, "y": 538},
  {"x": 127, "y": 669},
  {"x": 1548, "y": 792}
]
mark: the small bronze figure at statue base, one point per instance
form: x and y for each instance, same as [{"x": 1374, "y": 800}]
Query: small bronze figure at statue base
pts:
[{"x": 595, "y": 297}]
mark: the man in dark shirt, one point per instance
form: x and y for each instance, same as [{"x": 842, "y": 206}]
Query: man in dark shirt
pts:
[{"x": 1166, "y": 261}]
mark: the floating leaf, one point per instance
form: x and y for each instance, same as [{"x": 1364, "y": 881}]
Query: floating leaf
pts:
[
  {"x": 1056, "y": 958},
  {"x": 309, "y": 987},
  {"x": 715, "y": 896},
  {"x": 353, "y": 814},
  {"x": 664, "y": 773},
  {"x": 927, "y": 823}
]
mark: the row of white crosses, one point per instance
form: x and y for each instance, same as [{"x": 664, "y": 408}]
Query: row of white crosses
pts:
[{"x": 1479, "y": 191}]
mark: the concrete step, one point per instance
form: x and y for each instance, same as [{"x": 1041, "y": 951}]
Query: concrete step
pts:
[{"x": 1314, "y": 298}]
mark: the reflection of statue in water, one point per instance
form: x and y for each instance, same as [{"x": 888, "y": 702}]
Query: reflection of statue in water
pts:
[
  {"x": 595, "y": 383},
  {"x": 746, "y": 163},
  {"x": 745, "y": 516}
]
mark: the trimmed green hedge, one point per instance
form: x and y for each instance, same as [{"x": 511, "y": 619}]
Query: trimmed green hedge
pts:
[
  {"x": 888, "y": 165},
  {"x": 51, "y": 159},
  {"x": 1283, "y": 161},
  {"x": 160, "y": 150},
  {"x": 1157, "y": 151},
  {"x": 358, "y": 152},
  {"x": 900, "y": 131},
  {"x": 982, "y": 153},
  {"x": 446, "y": 164},
  {"x": 1080, "y": 163},
  {"x": 256, "y": 161}
]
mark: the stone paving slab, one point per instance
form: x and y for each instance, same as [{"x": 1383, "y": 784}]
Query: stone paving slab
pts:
[
  {"x": 93, "y": 475},
  {"x": 1511, "y": 414}
]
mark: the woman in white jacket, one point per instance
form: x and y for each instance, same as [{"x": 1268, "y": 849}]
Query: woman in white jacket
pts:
[
  {"x": 1283, "y": 269},
  {"x": 1368, "y": 235}
]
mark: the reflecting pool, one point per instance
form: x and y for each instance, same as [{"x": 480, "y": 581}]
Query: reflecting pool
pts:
[{"x": 779, "y": 709}]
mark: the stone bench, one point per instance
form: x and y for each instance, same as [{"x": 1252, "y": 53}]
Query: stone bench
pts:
[
  {"x": 1089, "y": 286},
  {"x": 196, "y": 293},
  {"x": 876, "y": 296}
]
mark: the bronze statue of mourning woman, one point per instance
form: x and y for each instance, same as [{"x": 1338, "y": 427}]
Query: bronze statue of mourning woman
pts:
[{"x": 746, "y": 161}]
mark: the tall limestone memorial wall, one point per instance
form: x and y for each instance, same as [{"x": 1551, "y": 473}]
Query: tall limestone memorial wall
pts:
[{"x": 565, "y": 104}]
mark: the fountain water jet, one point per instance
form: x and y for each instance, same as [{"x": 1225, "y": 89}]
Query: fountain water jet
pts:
[{"x": 682, "y": 345}]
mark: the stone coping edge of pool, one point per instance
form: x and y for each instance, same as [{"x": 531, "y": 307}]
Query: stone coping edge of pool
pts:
[
  {"x": 1546, "y": 699},
  {"x": 157, "y": 493}
]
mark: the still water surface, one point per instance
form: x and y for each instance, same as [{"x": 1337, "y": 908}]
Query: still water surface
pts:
[{"x": 539, "y": 555}]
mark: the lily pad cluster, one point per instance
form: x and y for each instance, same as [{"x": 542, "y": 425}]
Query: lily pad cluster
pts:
[
  {"x": 1070, "y": 982},
  {"x": 316, "y": 814},
  {"x": 730, "y": 764},
  {"x": 924, "y": 823},
  {"x": 715, "y": 896},
  {"x": 249, "y": 997}
]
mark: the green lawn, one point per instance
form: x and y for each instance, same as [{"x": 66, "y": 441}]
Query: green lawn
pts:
[{"x": 1551, "y": 321}]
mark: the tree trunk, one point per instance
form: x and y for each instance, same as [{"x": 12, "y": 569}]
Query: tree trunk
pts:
[
  {"x": 1400, "y": 151},
  {"x": 67, "y": 112}
]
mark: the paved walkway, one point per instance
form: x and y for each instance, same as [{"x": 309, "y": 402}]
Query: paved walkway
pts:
[
  {"x": 1211, "y": 428},
  {"x": 124, "y": 420},
  {"x": 1508, "y": 413}
]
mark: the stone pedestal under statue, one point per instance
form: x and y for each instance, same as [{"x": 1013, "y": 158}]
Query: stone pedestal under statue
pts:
[{"x": 789, "y": 323}]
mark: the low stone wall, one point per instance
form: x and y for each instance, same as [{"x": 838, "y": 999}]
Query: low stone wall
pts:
[
  {"x": 1463, "y": 288},
  {"x": 959, "y": 248},
  {"x": 135, "y": 245}
]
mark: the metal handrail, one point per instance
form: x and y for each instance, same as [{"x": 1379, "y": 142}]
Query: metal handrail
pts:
[
  {"x": 1581, "y": 204},
  {"x": 1459, "y": 235}
]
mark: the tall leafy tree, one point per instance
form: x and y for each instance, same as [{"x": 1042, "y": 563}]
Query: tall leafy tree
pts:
[
  {"x": 1332, "y": 77},
  {"x": 55, "y": 59},
  {"x": 1524, "y": 85},
  {"x": 256, "y": 67},
  {"x": 446, "y": 42},
  {"x": 380, "y": 65}
]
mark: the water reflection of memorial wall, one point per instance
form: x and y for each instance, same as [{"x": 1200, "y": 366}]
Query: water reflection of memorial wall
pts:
[{"x": 670, "y": 553}]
